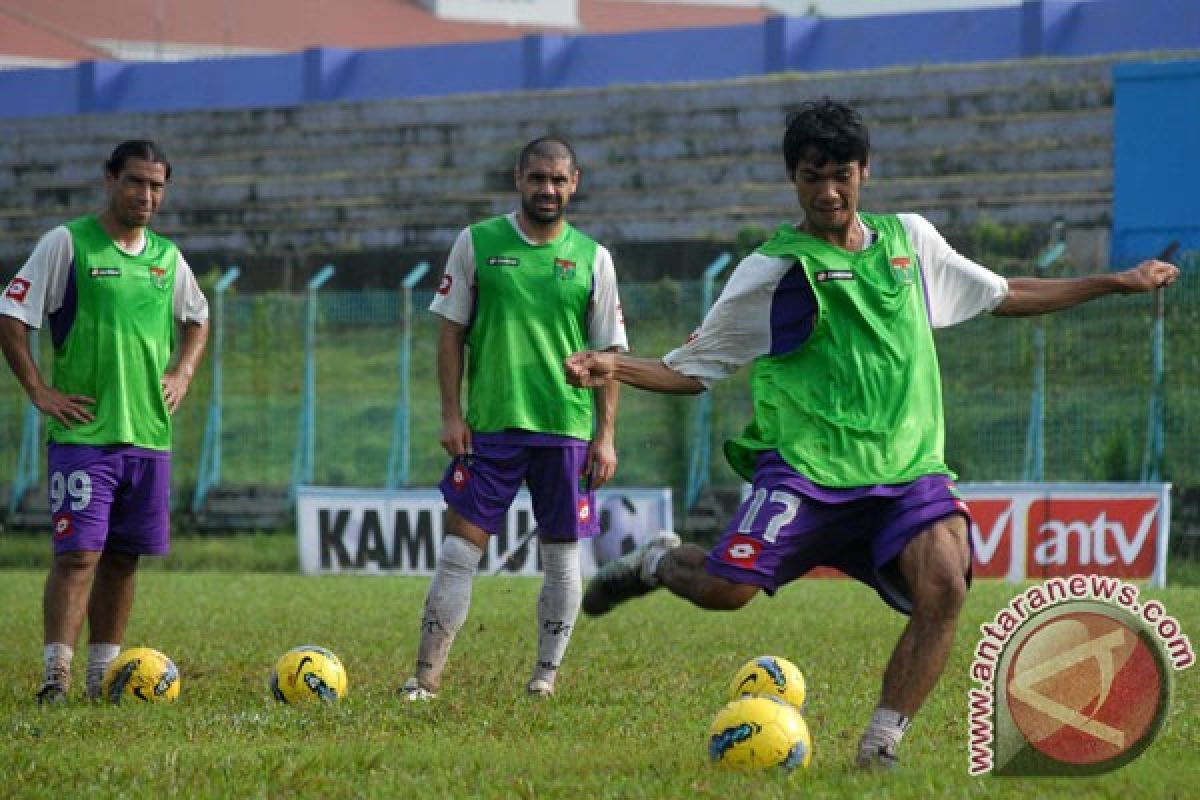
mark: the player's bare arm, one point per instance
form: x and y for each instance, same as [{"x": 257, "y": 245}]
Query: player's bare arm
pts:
[
  {"x": 177, "y": 380},
  {"x": 602, "y": 452},
  {"x": 1029, "y": 296},
  {"x": 66, "y": 408},
  {"x": 452, "y": 337},
  {"x": 590, "y": 369}
]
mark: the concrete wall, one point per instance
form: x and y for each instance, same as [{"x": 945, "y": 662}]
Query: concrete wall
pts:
[{"x": 1034, "y": 29}]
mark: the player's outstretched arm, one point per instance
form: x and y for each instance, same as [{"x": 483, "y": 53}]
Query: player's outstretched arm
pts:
[
  {"x": 590, "y": 369},
  {"x": 1028, "y": 296}
]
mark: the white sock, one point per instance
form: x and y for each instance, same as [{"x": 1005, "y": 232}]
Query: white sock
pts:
[
  {"x": 887, "y": 728},
  {"x": 446, "y": 607},
  {"x": 558, "y": 606},
  {"x": 650, "y": 565},
  {"x": 56, "y": 663},
  {"x": 100, "y": 655}
]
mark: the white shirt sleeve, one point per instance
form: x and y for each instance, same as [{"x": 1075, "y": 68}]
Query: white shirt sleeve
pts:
[
  {"x": 958, "y": 288},
  {"x": 39, "y": 287},
  {"x": 188, "y": 303},
  {"x": 606, "y": 323},
  {"x": 737, "y": 329},
  {"x": 455, "y": 296}
]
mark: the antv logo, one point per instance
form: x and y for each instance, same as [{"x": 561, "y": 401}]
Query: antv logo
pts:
[{"x": 1072, "y": 685}]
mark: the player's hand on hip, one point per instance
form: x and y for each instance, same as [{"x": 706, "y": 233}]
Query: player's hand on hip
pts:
[
  {"x": 456, "y": 436},
  {"x": 68, "y": 409},
  {"x": 1150, "y": 275},
  {"x": 589, "y": 369},
  {"x": 602, "y": 462}
]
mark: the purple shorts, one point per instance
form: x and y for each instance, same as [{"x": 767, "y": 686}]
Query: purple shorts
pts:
[
  {"x": 481, "y": 486},
  {"x": 110, "y": 498},
  {"x": 787, "y": 526}
]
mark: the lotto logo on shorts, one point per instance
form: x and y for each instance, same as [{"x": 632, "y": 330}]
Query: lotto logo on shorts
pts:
[
  {"x": 584, "y": 510},
  {"x": 743, "y": 551},
  {"x": 18, "y": 288},
  {"x": 459, "y": 476},
  {"x": 62, "y": 526}
]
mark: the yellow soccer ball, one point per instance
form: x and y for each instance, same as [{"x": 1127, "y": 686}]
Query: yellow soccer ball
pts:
[
  {"x": 770, "y": 675},
  {"x": 308, "y": 673},
  {"x": 142, "y": 674},
  {"x": 757, "y": 733}
]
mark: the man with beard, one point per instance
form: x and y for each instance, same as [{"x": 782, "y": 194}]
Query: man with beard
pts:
[{"x": 520, "y": 293}]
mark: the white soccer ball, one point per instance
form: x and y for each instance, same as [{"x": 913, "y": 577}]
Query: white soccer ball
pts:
[{"x": 621, "y": 530}]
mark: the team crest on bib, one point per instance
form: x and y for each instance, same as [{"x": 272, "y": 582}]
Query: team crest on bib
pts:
[
  {"x": 564, "y": 269},
  {"x": 159, "y": 276},
  {"x": 902, "y": 269}
]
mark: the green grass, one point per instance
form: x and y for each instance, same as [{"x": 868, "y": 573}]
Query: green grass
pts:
[{"x": 636, "y": 695}]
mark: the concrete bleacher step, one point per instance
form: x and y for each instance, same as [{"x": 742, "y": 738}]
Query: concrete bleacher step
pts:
[
  {"x": 1009, "y": 140},
  {"x": 243, "y": 508}
]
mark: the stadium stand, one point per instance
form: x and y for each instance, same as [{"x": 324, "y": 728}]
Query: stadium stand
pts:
[{"x": 1013, "y": 142}]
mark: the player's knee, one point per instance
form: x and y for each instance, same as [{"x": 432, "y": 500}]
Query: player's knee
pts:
[
  {"x": 75, "y": 562},
  {"x": 941, "y": 590},
  {"x": 126, "y": 563},
  {"x": 727, "y": 596}
]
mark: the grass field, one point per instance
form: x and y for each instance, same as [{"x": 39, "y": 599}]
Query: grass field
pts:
[{"x": 637, "y": 693}]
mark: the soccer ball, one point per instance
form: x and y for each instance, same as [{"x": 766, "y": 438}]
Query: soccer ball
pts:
[
  {"x": 621, "y": 530},
  {"x": 770, "y": 675},
  {"x": 142, "y": 674},
  {"x": 759, "y": 732},
  {"x": 308, "y": 673}
]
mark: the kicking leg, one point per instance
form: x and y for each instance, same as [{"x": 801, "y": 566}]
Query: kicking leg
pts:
[
  {"x": 934, "y": 566},
  {"x": 446, "y": 604},
  {"x": 663, "y": 561}
]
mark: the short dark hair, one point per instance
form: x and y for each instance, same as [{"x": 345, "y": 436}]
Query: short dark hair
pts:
[
  {"x": 136, "y": 148},
  {"x": 834, "y": 130},
  {"x": 548, "y": 147}
]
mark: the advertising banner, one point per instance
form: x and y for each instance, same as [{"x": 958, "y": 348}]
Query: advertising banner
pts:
[
  {"x": 1031, "y": 531},
  {"x": 399, "y": 531}
]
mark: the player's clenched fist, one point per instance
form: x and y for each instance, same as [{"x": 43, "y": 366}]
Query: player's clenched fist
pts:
[{"x": 589, "y": 368}]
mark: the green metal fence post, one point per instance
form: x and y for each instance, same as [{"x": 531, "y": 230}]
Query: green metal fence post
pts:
[
  {"x": 28, "y": 457},
  {"x": 701, "y": 434},
  {"x": 1035, "y": 435},
  {"x": 209, "y": 473},
  {"x": 398, "y": 457},
  {"x": 303, "y": 458}
]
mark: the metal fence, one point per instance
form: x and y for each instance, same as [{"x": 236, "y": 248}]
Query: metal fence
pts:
[{"x": 328, "y": 373}]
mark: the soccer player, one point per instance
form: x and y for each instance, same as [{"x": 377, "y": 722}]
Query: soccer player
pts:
[
  {"x": 845, "y": 450},
  {"x": 112, "y": 290},
  {"x": 520, "y": 293}
]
